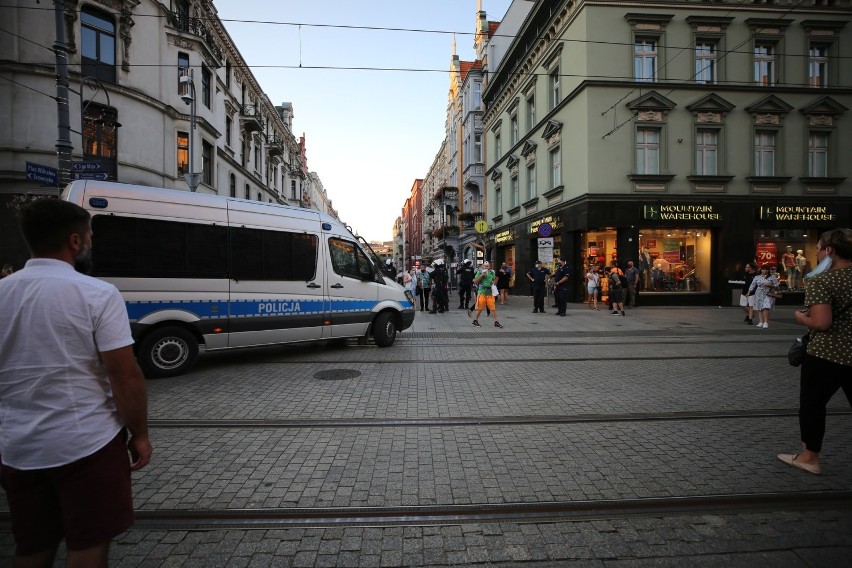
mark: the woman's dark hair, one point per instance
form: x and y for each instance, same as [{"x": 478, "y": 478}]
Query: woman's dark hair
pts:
[
  {"x": 840, "y": 240},
  {"x": 47, "y": 223},
  {"x": 765, "y": 267}
]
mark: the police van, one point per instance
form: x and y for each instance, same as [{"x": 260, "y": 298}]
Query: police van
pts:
[{"x": 207, "y": 273}]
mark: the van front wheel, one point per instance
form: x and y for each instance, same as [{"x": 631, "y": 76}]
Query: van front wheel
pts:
[
  {"x": 167, "y": 352},
  {"x": 384, "y": 330}
]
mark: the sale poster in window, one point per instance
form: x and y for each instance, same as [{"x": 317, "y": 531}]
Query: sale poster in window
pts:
[{"x": 766, "y": 253}]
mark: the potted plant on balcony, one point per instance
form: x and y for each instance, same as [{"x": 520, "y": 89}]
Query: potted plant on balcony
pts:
[
  {"x": 452, "y": 231},
  {"x": 438, "y": 233}
]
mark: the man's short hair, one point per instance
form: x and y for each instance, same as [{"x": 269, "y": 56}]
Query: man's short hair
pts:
[{"x": 47, "y": 223}]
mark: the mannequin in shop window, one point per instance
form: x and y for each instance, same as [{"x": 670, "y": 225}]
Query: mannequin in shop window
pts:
[
  {"x": 788, "y": 260},
  {"x": 801, "y": 269},
  {"x": 645, "y": 263}
]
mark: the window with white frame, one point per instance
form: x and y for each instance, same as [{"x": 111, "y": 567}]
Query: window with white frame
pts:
[
  {"x": 477, "y": 148},
  {"x": 764, "y": 152},
  {"x": 532, "y": 192},
  {"x": 516, "y": 191},
  {"x": 182, "y": 153},
  {"x": 97, "y": 43},
  {"x": 531, "y": 111},
  {"x": 513, "y": 125},
  {"x": 705, "y": 61},
  {"x": 764, "y": 64},
  {"x": 183, "y": 67},
  {"x": 292, "y": 189},
  {"x": 818, "y": 65},
  {"x": 206, "y": 78},
  {"x": 553, "y": 78},
  {"x": 206, "y": 162},
  {"x": 647, "y": 151},
  {"x": 498, "y": 147},
  {"x": 498, "y": 200},
  {"x": 477, "y": 95},
  {"x": 645, "y": 59},
  {"x": 817, "y": 154},
  {"x": 706, "y": 152},
  {"x": 555, "y": 168}
]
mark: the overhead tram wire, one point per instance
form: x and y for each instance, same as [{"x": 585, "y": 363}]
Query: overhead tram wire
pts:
[{"x": 428, "y": 31}]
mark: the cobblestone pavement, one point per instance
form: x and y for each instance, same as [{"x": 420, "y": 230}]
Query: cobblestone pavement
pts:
[{"x": 634, "y": 428}]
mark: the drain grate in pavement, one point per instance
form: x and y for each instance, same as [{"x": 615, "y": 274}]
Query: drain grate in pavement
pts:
[{"x": 337, "y": 374}]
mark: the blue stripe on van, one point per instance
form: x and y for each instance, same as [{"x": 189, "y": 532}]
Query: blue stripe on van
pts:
[{"x": 210, "y": 309}]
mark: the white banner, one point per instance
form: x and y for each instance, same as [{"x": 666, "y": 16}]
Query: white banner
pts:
[{"x": 545, "y": 250}]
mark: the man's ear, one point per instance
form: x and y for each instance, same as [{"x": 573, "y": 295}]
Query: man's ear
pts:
[{"x": 75, "y": 242}]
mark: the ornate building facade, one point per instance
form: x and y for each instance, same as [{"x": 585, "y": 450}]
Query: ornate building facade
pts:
[
  {"x": 689, "y": 137},
  {"x": 130, "y": 113}
]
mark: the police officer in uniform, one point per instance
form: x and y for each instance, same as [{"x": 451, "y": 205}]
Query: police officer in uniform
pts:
[
  {"x": 560, "y": 279},
  {"x": 465, "y": 283},
  {"x": 538, "y": 276},
  {"x": 389, "y": 269},
  {"x": 439, "y": 288}
]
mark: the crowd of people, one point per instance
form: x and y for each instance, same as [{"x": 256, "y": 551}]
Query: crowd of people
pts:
[{"x": 482, "y": 286}]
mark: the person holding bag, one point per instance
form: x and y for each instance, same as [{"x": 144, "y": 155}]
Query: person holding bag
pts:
[
  {"x": 484, "y": 279},
  {"x": 827, "y": 364},
  {"x": 762, "y": 286}
]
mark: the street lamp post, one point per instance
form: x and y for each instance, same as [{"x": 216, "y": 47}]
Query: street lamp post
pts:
[{"x": 188, "y": 96}]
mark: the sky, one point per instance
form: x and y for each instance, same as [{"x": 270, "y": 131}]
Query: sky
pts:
[{"x": 369, "y": 133}]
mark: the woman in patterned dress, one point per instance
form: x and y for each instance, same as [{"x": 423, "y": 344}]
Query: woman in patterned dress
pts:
[
  {"x": 827, "y": 365},
  {"x": 762, "y": 284}
]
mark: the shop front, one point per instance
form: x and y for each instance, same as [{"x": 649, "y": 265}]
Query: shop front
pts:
[{"x": 687, "y": 250}]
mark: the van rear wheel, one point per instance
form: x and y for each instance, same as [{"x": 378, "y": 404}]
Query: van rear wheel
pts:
[
  {"x": 384, "y": 330},
  {"x": 167, "y": 352}
]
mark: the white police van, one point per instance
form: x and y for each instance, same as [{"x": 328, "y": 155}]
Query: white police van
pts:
[{"x": 205, "y": 273}]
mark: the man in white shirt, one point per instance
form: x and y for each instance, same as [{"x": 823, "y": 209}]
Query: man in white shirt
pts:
[{"x": 71, "y": 393}]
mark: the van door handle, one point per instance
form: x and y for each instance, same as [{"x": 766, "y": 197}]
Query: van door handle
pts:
[
  {"x": 312, "y": 285},
  {"x": 336, "y": 286}
]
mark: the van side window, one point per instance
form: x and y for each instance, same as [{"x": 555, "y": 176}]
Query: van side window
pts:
[
  {"x": 273, "y": 255},
  {"x": 147, "y": 248},
  {"x": 348, "y": 260}
]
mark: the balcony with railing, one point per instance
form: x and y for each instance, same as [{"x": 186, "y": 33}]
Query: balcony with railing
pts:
[
  {"x": 196, "y": 27},
  {"x": 275, "y": 146},
  {"x": 251, "y": 119}
]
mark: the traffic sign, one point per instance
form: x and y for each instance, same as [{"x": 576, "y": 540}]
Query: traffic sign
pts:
[
  {"x": 44, "y": 174},
  {"x": 545, "y": 229},
  {"x": 86, "y": 166},
  {"x": 102, "y": 176},
  {"x": 481, "y": 226}
]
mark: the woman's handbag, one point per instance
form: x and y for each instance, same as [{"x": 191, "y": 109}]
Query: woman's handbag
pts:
[
  {"x": 494, "y": 290},
  {"x": 797, "y": 350},
  {"x": 774, "y": 294}
]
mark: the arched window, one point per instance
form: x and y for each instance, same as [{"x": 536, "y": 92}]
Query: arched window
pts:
[
  {"x": 233, "y": 185},
  {"x": 97, "y": 34}
]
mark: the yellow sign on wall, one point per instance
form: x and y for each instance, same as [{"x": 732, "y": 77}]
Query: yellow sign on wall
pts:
[{"x": 481, "y": 226}]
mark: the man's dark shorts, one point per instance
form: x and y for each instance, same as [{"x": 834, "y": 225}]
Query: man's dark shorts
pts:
[{"x": 87, "y": 502}]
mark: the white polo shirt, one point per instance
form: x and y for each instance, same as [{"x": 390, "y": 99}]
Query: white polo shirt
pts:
[{"x": 56, "y": 403}]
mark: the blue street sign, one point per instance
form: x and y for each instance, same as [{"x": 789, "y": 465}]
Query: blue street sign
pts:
[
  {"x": 86, "y": 166},
  {"x": 46, "y": 175},
  {"x": 545, "y": 229},
  {"x": 102, "y": 176}
]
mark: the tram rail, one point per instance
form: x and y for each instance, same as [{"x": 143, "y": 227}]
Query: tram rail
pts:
[
  {"x": 476, "y": 420},
  {"x": 429, "y": 515}
]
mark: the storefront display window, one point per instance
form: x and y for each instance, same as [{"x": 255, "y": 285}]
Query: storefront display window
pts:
[
  {"x": 674, "y": 260},
  {"x": 791, "y": 253}
]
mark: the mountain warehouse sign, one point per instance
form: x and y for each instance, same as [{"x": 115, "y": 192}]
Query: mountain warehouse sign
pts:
[
  {"x": 795, "y": 213},
  {"x": 665, "y": 212}
]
